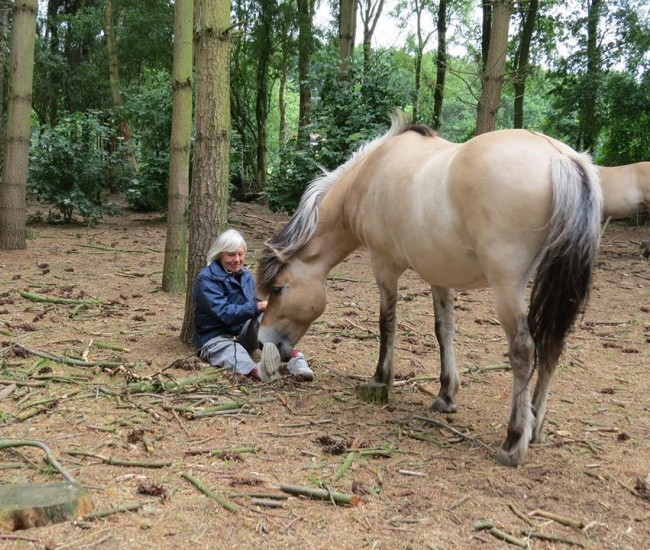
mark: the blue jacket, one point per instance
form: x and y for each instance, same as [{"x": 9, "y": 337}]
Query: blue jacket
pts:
[{"x": 224, "y": 302}]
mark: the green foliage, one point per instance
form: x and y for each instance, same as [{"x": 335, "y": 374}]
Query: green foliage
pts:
[
  {"x": 150, "y": 115},
  {"x": 74, "y": 164},
  {"x": 348, "y": 112},
  {"x": 625, "y": 137}
]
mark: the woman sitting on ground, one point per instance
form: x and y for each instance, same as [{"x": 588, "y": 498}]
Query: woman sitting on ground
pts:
[{"x": 228, "y": 313}]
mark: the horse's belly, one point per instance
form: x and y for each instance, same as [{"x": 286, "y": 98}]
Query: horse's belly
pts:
[{"x": 451, "y": 272}]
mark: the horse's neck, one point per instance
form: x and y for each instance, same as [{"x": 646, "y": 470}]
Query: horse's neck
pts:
[{"x": 329, "y": 246}]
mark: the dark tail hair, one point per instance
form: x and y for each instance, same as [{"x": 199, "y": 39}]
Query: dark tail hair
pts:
[{"x": 565, "y": 271}]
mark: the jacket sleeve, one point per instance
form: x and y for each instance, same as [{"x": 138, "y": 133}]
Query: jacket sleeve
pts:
[{"x": 211, "y": 296}]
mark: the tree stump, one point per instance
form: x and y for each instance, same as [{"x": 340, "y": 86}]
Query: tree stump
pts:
[
  {"x": 373, "y": 392},
  {"x": 25, "y": 505}
]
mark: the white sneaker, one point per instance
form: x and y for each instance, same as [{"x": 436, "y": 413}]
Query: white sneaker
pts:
[
  {"x": 299, "y": 367},
  {"x": 269, "y": 366}
]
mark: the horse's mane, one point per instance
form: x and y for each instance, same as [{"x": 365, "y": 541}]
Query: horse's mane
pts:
[{"x": 280, "y": 249}]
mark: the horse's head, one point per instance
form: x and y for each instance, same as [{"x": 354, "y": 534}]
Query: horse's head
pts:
[{"x": 296, "y": 299}]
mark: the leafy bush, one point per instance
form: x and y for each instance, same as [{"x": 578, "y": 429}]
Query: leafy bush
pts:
[
  {"x": 150, "y": 115},
  {"x": 347, "y": 113},
  {"x": 72, "y": 167}
]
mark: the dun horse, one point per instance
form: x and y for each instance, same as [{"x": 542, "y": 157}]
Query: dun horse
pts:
[
  {"x": 491, "y": 211},
  {"x": 626, "y": 190}
]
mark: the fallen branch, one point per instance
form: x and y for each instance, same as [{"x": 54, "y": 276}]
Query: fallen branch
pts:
[
  {"x": 222, "y": 452},
  {"x": 207, "y": 492},
  {"x": 442, "y": 424},
  {"x": 120, "y": 462},
  {"x": 321, "y": 494},
  {"x": 345, "y": 466},
  {"x": 116, "y": 510},
  {"x": 551, "y": 538},
  {"x": 487, "y": 525},
  {"x": 570, "y": 522},
  {"x": 8, "y": 443},
  {"x": 58, "y": 300},
  {"x": 68, "y": 360}
]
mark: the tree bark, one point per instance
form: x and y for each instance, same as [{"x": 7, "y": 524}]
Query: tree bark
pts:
[
  {"x": 370, "y": 11},
  {"x": 529, "y": 17},
  {"x": 305, "y": 44},
  {"x": 588, "y": 116},
  {"x": 13, "y": 187},
  {"x": 441, "y": 64},
  {"x": 210, "y": 173},
  {"x": 347, "y": 31},
  {"x": 494, "y": 73},
  {"x": 173, "y": 279},
  {"x": 114, "y": 80}
]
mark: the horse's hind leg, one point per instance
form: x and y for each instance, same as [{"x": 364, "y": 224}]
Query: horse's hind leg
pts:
[
  {"x": 521, "y": 349},
  {"x": 443, "y": 308},
  {"x": 545, "y": 370}
]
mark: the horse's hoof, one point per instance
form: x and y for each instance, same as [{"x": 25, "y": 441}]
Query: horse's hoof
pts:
[
  {"x": 506, "y": 458},
  {"x": 442, "y": 405},
  {"x": 538, "y": 438}
]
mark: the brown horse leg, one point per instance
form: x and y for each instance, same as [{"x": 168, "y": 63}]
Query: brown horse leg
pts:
[
  {"x": 387, "y": 282},
  {"x": 521, "y": 351},
  {"x": 545, "y": 371},
  {"x": 443, "y": 308}
]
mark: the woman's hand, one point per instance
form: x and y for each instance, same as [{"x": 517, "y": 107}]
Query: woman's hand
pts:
[{"x": 261, "y": 306}]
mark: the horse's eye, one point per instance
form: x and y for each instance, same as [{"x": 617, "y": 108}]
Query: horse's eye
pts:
[{"x": 277, "y": 290}]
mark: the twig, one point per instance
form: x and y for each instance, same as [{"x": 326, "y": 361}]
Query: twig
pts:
[
  {"x": 222, "y": 452},
  {"x": 222, "y": 501},
  {"x": 552, "y": 538},
  {"x": 321, "y": 494},
  {"x": 57, "y": 299},
  {"x": 67, "y": 360},
  {"x": 116, "y": 510},
  {"x": 344, "y": 467},
  {"x": 7, "y": 443},
  {"x": 487, "y": 525},
  {"x": 120, "y": 462},
  {"x": 570, "y": 522},
  {"x": 442, "y": 424}
]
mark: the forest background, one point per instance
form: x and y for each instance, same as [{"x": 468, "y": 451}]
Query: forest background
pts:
[{"x": 182, "y": 106}]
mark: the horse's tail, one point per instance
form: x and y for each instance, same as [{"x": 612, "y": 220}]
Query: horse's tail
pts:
[{"x": 565, "y": 271}]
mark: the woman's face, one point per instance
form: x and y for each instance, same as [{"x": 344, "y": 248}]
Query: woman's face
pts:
[{"x": 233, "y": 261}]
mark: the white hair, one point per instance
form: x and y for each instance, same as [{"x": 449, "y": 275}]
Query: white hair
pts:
[{"x": 229, "y": 241}]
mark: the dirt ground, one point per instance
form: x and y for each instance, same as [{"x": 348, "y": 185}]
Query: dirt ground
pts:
[{"x": 420, "y": 485}]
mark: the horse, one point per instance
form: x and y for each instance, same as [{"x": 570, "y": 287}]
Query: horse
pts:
[
  {"x": 626, "y": 190},
  {"x": 488, "y": 212}
]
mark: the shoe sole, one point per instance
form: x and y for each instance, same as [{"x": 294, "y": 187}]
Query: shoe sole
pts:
[{"x": 270, "y": 363}]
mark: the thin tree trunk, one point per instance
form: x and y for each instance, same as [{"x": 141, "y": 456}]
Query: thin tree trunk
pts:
[
  {"x": 589, "y": 122},
  {"x": 264, "y": 52},
  {"x": 305, "y": 41},
  {"x": 114, "y": 79},
  {"x": 521, "y": 60},
  {"x": 13, "y": 187},
  {"x": 370, "y": 13},
  {"x": 494, "y": 73},
  {"x": 347, "y": 31},
  {"x": 210, "y": 174},
  {"x": 173, "y": 279},
  {"x": 441, "y": 64}
]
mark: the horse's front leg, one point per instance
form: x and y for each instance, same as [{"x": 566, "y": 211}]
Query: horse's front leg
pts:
[
  {"x": 443, "y": 308},
  {"x": 386, "y": 278}
]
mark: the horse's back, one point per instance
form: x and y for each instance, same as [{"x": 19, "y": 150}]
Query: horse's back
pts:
[{"x": 457, "y": 213}]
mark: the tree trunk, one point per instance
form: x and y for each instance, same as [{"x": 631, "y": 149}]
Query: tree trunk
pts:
[
  {"x": 114, "y": 79},
  {"x": 494, "y": 72},
  {"x": 305, "y": 44},
  {"x": 370, "y": 14},
  {"x": 347, "y": 31},
  {"x": 588, "y": 116},
  {"x": 210, "y": 170},
  {"x": 418, "y": 8},
  {"x": 521, "y": 60},
  {"x": 441, "y": 64},
  {"x": 13, "y": 187},
  {"x": 264, "y": 52},
  {"x": 4, "y": 63},
  {"x": 173, "y": 279}
]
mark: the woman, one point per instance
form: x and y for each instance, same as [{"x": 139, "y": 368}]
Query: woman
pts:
[{"x": 228, "y": 312}]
